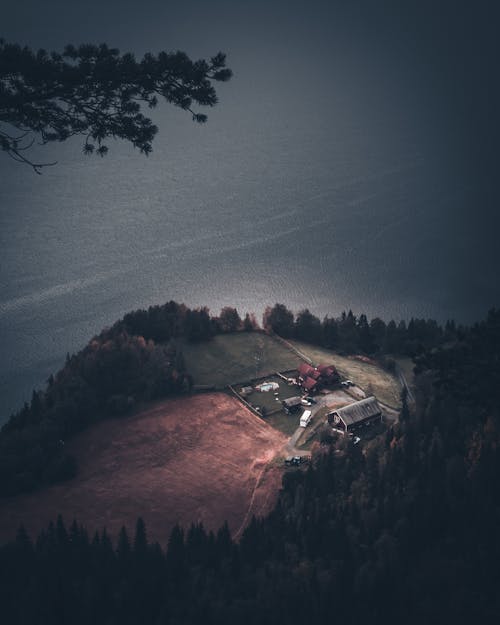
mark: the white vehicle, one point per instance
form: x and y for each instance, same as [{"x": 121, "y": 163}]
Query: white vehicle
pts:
[
  {"x": 347, "y": 383},
  {"x": 305, "y": 418}
]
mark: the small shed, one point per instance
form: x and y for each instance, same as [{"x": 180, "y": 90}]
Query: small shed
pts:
[
  {"x": 358, "y": 414},
  {"x": 292, "y": 404}
]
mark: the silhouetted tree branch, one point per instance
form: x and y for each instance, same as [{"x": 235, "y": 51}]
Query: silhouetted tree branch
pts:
[{"x": 96, "y": 92}]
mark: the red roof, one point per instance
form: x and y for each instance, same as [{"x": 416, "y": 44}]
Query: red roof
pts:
[
  {"x": 305, "y": 370},
  {"x": 327, "y": 371},
  {"x": 309, "y": 383}
]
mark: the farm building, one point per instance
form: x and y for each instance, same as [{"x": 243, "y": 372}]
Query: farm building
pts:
[
  {"x": 312, "y": 378},
  {"x": 306, "y": 371},
  {"x": 309, "y": 384},
  {"x": 328, "y": 372},
  {"x": 364, "y": 412},
  {"x": 293, "y": 404}
]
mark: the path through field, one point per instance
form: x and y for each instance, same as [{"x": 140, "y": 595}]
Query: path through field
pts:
[{"x": 202, "y": 458}]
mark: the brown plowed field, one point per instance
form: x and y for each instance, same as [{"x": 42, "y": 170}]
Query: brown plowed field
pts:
[{"x": 204, "y": 458}]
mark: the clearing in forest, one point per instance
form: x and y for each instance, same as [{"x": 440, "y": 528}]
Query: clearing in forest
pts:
[
  {"x": 239, "y": 357},
  {"x": 202, "y": 458}
]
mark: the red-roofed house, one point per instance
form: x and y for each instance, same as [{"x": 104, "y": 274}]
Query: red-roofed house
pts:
[
  {"x": 309, "y": 384},
  {"x": 305, "y": 370},
  {"x": 311, "y": 378}
]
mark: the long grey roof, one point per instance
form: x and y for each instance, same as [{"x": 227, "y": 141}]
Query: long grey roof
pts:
[
  {"x": 358, "y": 411},
  {"x": 291, "y": 401}
]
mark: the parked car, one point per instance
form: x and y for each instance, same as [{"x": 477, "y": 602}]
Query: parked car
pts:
[
  {"x": 295, "y": 461},
  {"x": 310, "y": 399}
]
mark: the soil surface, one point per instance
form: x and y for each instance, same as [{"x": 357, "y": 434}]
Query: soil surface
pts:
[{"x": 204, "y": 458}]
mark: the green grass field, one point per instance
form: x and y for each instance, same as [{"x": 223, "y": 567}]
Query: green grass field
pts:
[
  {"x": 268, "y": 400},
  {"x": 385, "y": 386},
  {"x": 235, "y": 358},
  {"x": 284, "y": 423}
]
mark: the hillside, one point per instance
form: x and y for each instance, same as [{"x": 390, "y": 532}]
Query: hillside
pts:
[
  {"x": 204, "y": 459},
  {"x": 238, "y": 357},
  {"x": 401, "y": 530}
]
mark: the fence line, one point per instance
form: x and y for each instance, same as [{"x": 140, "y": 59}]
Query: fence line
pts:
[
  {"x": 249, "y": 406},
  {"x": 284, "y": 342}
]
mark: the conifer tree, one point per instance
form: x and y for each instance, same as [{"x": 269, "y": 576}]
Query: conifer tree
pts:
[
  {"x": 95, "y": 92},
  {"x": 123, "y": 547},
  {"x": 140, "y": 538}
]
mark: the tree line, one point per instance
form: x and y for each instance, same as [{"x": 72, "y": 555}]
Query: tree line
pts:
[
  {"x": 355, "y": 334},
  {"x": 402, "y": 530},
  {"x": 139, "y": 358}
]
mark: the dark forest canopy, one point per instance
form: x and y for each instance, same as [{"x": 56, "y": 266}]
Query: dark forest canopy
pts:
[
  {"x": 96, "y": 92},
  {"x": 404, "y": 530}
]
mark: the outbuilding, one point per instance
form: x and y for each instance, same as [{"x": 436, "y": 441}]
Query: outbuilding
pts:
[
  {"x": 293, "y": 404},
  {"x": 356, "y": 415}
]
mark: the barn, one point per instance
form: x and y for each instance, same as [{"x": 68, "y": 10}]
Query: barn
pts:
[{"x": 358, "y": 414}]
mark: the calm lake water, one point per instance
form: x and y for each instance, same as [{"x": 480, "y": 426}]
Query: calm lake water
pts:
[{"x": 244, "y": 212}]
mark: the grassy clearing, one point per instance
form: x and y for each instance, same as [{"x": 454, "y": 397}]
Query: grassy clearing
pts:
[
  {"x": 269, "y": 400},
  {"x": 207, "y": 445},
  {"x": 284, "y": 423},
  {"x": 385, "y": 386},
  {"x": 236, "y": 358}
]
